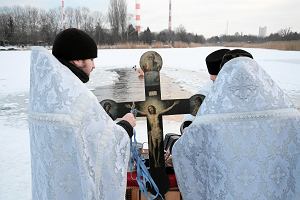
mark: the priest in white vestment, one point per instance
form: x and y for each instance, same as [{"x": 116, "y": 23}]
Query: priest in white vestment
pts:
[
  {"x": 77, "y": 151},
  {"x": 244, "y": 143},
  {"x": 213, "y": 62}
]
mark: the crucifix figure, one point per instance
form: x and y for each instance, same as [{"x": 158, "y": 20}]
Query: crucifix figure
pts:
[
  {"x": 154, "y": 108},
  {"x": 155, "y": 132}
]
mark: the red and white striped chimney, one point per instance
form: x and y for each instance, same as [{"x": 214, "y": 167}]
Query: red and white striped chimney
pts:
[
  {"x": 138, "y": 16},
  {"x": 170, "y": 16}
]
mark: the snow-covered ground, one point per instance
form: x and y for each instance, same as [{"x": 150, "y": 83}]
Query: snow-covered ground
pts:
[{"x": 186, "y": 66}]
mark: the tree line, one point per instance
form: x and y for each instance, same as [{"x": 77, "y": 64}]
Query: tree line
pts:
[
  {"x": 35, "y": 26},
  {"x": 285, "y": 34}
]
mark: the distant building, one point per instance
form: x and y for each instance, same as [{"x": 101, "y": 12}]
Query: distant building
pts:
[{"x": 262, "y": 32}]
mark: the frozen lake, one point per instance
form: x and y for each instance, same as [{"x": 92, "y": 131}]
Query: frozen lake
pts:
[{"x": 183, "y": 67}]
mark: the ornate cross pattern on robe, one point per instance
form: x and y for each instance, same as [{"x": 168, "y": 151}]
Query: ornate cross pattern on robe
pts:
[{"x": 154, "y": 108}]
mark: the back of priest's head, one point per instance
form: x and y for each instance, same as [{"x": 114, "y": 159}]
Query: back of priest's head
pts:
[
  {"x": 213, "y": 61},
  {"x": 234, "y": 54}
]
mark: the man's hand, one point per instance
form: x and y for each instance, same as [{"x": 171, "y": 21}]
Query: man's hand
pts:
[
  {"x": 129, "y": 117},
  {"x": 140, "y": 73},
  {"x": 168, "y": 159}
]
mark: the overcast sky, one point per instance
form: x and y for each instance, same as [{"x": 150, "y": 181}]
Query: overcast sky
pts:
[{"x": 208, "y": 17}]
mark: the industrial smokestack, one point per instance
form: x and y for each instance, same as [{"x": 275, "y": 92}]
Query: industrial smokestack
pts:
[
  {"x": 137, "y": 16},
  {"x": 170, "y": 16}
]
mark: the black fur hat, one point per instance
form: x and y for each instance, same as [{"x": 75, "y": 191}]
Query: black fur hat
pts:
[
  {"x": 214, "y": 60},
  {"x": 74, "y": 44},
  {"x": 234, "y": 54}
]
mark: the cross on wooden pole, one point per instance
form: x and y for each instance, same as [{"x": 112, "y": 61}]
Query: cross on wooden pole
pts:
[{"x": 154, "y": 108}]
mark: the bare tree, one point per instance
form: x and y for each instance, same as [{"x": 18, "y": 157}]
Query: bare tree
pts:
[
  {"x": 117, "y": 17},
  {"x": 54, "y": 17},
  {"x": 4, "y": 16},
  {"x": 85, "y": 17},
  {"x": 181, "y": 34},
  {"x": 32, "y": 15},
  {"x": 78, "y": 17},
  {"x": 70, "y": 17},
  {"x": 20, "y": 24},
  {"x": 98, "y": 18},
  {"x": 49, "y": 25},
  {"x": 123, "y": 16},
  {"x": 28, "y": 25},
  {"x": 99, "y": 27},
  {"x": 285, "y": 32},
  {"x": 113, "y": 18}
]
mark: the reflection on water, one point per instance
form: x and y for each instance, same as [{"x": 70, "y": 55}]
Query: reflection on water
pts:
[
  {"x": 131, "y": 88},
  {"x": 128, "y": 88}
]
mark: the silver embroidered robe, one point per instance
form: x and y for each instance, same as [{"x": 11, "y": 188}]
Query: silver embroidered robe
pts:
[
  {"x": 77, "y": 151},
  {"x": 244, "y": 143}
]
